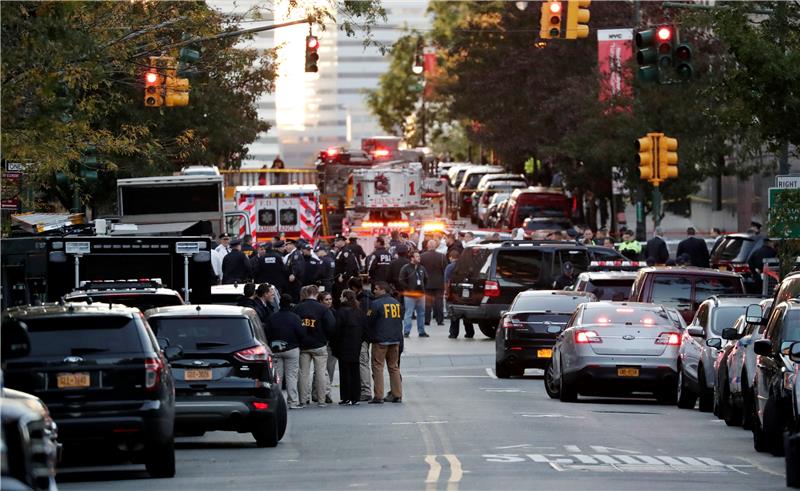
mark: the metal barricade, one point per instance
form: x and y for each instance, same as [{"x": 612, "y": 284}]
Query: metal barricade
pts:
[{"x": 770, "y": 276}]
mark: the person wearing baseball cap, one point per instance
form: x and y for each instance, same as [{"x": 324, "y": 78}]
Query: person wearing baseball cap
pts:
[
  {"x": 567, "y": 277},
  {"x": 236, "y": 265}
]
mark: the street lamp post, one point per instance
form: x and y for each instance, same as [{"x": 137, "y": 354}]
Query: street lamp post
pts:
[{"x": 418, "y": 68}]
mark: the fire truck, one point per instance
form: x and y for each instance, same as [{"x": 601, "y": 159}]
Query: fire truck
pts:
[{"x": 290, "y": 211}]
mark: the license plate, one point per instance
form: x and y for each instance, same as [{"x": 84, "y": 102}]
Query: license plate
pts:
[
  {"x": 628, "y": 372},
  {"x": 465, "y": 293},
  {"x": 722, "y": 268},
  {"x": 73, "y": 380},
  {"x": 197, "y": 375},
  {"x": 544, "y": 353}
]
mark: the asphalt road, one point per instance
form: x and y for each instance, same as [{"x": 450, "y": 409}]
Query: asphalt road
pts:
[{"x": 459, "y": 427}]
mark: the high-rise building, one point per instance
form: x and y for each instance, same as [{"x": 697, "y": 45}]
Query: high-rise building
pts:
[{"x": 313, "y": 111}]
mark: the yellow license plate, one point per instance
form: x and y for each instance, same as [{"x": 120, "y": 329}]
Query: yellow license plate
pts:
[
  {"x": 544, "y": 353},
  {"x": 723, "y": 268},
  {"x": 73, "y": 380},
  {"x": 197, "y": 375},
  {"x": 628, "y": 372}
]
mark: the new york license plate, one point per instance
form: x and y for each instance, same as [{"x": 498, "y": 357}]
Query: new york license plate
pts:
[
  {"x": 73, "y": 380},
  {"x": 628, "y": 372},
  {"x": 197, "y": 374},
  {"x": 544, "y": 353}
]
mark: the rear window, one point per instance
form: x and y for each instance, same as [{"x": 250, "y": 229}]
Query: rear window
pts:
[
  {"x": 540, "y": 322},
  {"x": 624, "y": 315},
  {"x": 706, "y": 287},
  {"x": 472, "y": 180},
  {"x": 615, "y": 290},
  {"x": 140, "y": 301},
  {"x": 732, "y": 247},
  {"x": 564, "y": 304},
  {"x": 547, "y": 225},
  {"x": 672, "y": 291},
  {"x": 203, "y": 333},
  {"x": 725, "y": 317},
  {"x": 546, "y": 209},
  {"x": 470, "y": 264},
  {"x": 519, "y": 268},
  {"x": 578, "y": 257},
  {"x": 83, "y": 335}
]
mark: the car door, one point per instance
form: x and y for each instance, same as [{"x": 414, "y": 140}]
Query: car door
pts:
[
  {"x": 768, "y": 366},
  {"x": 691, "y": 346}
]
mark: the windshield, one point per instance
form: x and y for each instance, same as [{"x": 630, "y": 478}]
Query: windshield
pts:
[
  {"x": 139, "y": 300},
  {"x": 706, "y": 287},
  {"x": 564, "y": 304},
  {"x": 547, "y": 225},
  {"x": 725, "y": 317},
  {"x": 203, "y": 333},
  {"x": 614, "y": 290},
  {"x": 542, "y": 210},
  {"x": 624, "y": 315},
  {"x": 732, "y": 248},
  {"x": 83, "y": 335}
]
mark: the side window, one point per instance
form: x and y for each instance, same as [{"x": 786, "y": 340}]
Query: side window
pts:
[
  {"x": 775, "y": 324},
  {"x": 518, "y": 268},
  {"x": 706, "y": 287},
  {"x": 790, "y": 329},
  {"x": 672, "y": 291},
  {"x": 578, "y": 258},
  {"x": 702, "y": 316}
]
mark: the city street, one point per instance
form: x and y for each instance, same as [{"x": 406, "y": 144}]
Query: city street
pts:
[{"x": 460, "y": 427}]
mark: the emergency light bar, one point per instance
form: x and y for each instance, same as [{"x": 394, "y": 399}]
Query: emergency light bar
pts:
[
  {"x": 600, "y": 265},
  {"x": 115, "y": 284}
]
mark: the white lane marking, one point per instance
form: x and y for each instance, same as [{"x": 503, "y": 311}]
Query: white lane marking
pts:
[
  {"x": 623, "y": 463},
  {"x": 419, "y": 422},
  {"x": 572, "y": 448},
  {"x": 456, "y": 473},
  {"x": 528, "y": 445},
  {"x": 565, "y": 416},
  {"x": 433, "y": 472},
  {"x": 490, "y": 373},
  {"x": 458, "y": 376},
  {"x": 601, "y": 449}
]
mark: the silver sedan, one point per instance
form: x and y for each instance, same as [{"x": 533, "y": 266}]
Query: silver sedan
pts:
[{"x": 615, "y": 348}]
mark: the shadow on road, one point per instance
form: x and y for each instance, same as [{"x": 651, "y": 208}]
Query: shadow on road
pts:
[{"x": 67, "y": 474}]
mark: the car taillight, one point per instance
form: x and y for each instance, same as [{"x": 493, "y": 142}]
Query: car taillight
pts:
[
  {"x": 153, "y": 368},
  {"x": 254, "y": 354},
  {"x": 740, "y": 267},
  {"x": 491, "y": 289},
  {"x": 668, "y": 338},
  {"x": 260, "y": 406},
  {"x": 467, "y": 200},
  {"x": 585, "y": 337},
  {"x": 512, "y": 323}
]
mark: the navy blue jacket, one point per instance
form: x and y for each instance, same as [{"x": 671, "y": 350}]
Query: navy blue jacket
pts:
[
  {"x": 284, "y": 330},
  {"x": 385, "y": 321},
  {"x": 318, "y": 322}
]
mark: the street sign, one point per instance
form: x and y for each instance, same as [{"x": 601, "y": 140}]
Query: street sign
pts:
[
  {"x": 787, "y": 182},
  {"x": 794, "y": 229},
  {"x": 187, "y": 247},
  {"x": 77, "y": 248}
]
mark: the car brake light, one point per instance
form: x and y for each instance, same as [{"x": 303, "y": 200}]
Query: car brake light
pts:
[
  {"x": 254, "y": 354},
  {"x": 153, "y": 368},
  {"x": 740, "y": 267},
  {"x": 668, "y": 338},
  {"x": 512, "y": 323},
  {"x": 584, "y": 337},
  {"x": 260, "y": 406},
  {"x": 491, "y": 289}
]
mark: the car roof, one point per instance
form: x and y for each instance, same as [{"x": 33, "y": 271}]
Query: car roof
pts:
[
  {"x": 535, "y": 190},
  {"x": 70, "y": 308},
  {"x": 549, "y": 293},
  {"x": 687, "y": 271},
  {"x": 635, "y": 305},
  {"x": 608, "y": 275},
  {"x": 228, "y": 289},
  {"x": 737, "y": 300},
  {"x": 201, "y": 310},
  {"x": 100, "y": 292},
  {"x": 511, "y": 244}
]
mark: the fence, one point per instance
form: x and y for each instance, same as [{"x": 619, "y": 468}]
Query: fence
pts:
[{"x": 257, "y": 177}]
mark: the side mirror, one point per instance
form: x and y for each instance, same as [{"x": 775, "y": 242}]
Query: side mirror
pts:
[
  {"x": 754, "y": 315},
  {"x": 503, "y": 313},
  {"x": 162, "y": 343},
  {"x": 555, "y": 329},
  {"x": 730, "y": 333},
  {"x": 794, "y": 352},
  {"x": 715, "y": 343},
  {"x": 696, "y": 331},
  {"x": 16, "y": 342},
  {"x": 763, "y": 347},
  {"x": 173, "y": 352}
]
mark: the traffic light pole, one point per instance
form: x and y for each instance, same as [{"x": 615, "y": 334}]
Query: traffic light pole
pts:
[{"x": 656, "y": 206}]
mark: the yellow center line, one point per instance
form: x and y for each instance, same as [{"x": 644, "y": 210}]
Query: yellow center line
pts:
[
  {"x": 456, "y": 473},
  {"x": 433, "y": 473}
]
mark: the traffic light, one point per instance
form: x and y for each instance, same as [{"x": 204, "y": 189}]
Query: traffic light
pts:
[
  {"x": 683, "y": 61},
  {"x": 177, "y": 91},
  {"x": 577, "y": 19},
  {"x": 551, "y": 20},
  {"x": 667, "y": 158},
  {"x": 665, "y": 38},
  {"x": 312, "y": 45},
  {"x": 153, "y": 88},
  {"x": 647, "y": 157},
  {"x": 647, "y": 55}
]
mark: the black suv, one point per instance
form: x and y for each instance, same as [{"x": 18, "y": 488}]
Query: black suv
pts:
[
  {"x": 488, "y": 276},
  {"x": 103, "y": 377},
  {"x": 224, "y": 377},
  {"x": 528, "y": 331},
  {"x": 775, "y": 372},
  {"x": 144, "y": 294}
]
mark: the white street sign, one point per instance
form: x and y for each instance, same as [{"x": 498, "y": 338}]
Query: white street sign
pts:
[
  {"x": 787, "y": 182},
  {"x": 78, "y": 248},
  {"x": 187, "y": 247}
]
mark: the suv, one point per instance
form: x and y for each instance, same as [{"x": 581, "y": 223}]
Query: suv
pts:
[
  {"x": 700, "y": 345},
  {"x": 733, "y": 254},
  {"x": 224, "y": 377},
  {"x": 683, "y": 288},
  {"x": 528, "y": 331},
  {"x": 774, "y": 377},
  {"x": 103, "y": 377},
  {"x": 792, "y": 438},
  {"x": 606, "y": 285},
  {"x": 143, "y": 294},
  {"x": 469, "y": 184},
  {"x": 488, "y": 276}
]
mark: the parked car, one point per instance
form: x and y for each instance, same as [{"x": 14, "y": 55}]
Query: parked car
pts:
[
  {"x": 733, "y": 387},
  {"x": 539, "y": 228},
  {"x": 488, "y": 216},
  {"x": 615, "y": 348},
  {"x": 774, "y": 377},
  {"x": 224, "y": 379},
  {"x": 103, "y": 377},
  {"x": 142, "y": 294},
  {"x": 527, "y": 332},
  {"x": 534, "y": 202},
  {"x": 489, "y": 185},
  {"x": 733, "y": 253},
  {"x": 788, "y": 288},
  {"x": 495, "y": 212},
  {"x": 488, "y": 276},
  {"x": 606, "y": 285},
  {"x": 469, "y": 184},
  {"x": 608, "y": 258},
  {"x": 700, "y": 343},
  {"x": 683, "y": 287},
  {"x": 792, "y": 438}
]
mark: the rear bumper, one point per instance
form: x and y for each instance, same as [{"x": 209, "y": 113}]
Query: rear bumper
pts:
[
  {"x": 226, "y": 413},
  {"x": 154, "y": 421},
  {"x": 524, "y": 353},
  {"x": 601, "y": 380},
  {"x": 476, "y": 313}
]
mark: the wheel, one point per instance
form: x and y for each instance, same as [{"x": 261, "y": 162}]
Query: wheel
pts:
[
  {"x": 567, "y": 392},
  {"x": 502, "y": 370},
  {"x": 731, "y": 413},
  {"x": 282, "y": 414},
  {"x": 747, "y": 403},
  {"x": 706, "y": 395},
  {"x": 685, "y": 397},
  {"x": 488, "y": 328},
  {"x": 266, "y": 435},
  {"x": 773, "y": 427},
  {"x": 759, "y": 436},
  {"x": 792, "y": 446},
  {"x": 718, "y": 403},
  {"x": 160, "y": 459},
  {"x": 550, "y": 383}
]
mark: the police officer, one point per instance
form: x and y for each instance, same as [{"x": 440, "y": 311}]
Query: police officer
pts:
[
  {"x": 269, "y": 268},
  {"x": 346, "y": 267},
  {"x": 313, "y": 266},
  {"x": 295, "y": 268},
  {"x": 357, "y": 250},
  {"x": 396, "y": 266},
  {"x": 327, "y": 270},
  {"x": 377, "y": 266},
  {"x": 235, "y": 266}
]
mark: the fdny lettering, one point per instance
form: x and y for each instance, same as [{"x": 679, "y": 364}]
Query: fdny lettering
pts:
[
  {"x": 312, "y": 323},
  {"x": 391, "y": 311}
]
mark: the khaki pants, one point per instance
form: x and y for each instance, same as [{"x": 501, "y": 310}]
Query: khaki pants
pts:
[
  {"x": 365, "y": 369},
  {"x": 390, "y": 354},
  {"x": 319, "y": 358}
]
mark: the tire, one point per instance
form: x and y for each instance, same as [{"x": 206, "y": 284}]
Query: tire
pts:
[
  {"x": 792, "y": 447},
  {"x": 488, "y": 328},
  {"x": 568, "y": 392},
  {"x": 550, "y": 384},
  {"x": 747, "y": 403},
  {"x": 706, "y": 399},
  {"x": 502, "y": 370},
  {"x": 730, "y": 413},
  {"x": 160, "y": 459},
  {"x": 760, "y": 442},
  {"x": 266, "y": 435},
  {"x": 685, "y": 398},
  {"x": 282, "y": 413},
  {"x": 773, "y": 428}
]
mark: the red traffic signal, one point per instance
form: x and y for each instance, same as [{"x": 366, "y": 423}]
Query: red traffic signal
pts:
[
  {"x": 151, "y": 78},
  {"x": 153, "y": 90},
  {"x": 312, "y": 42},
  {"x": 555, "y": 8},
  {"x": 664, "y": 34}
]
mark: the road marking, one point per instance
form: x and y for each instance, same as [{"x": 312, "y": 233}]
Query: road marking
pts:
[
  {"x": 758, "y": 466},
  {"x": 419, "y": 422},
  {"x": 564, "y": 416},
  {"x": 601, "y": 449},
  {"x": 603, "y": 462},
  {"x": 528, "y": 445},
  {"x": 456, "y": 473},
  {"x": 433, "y": 472},
  {"x": 490, "y": 373},
  {"x": 572, "y": 448}
]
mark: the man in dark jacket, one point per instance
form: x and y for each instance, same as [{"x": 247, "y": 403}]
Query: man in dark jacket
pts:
[
  {"x": 385, "y": 332},
  {"x": 377, "y": 266},
  {"x": 695, "y": 248},
  {"x": 756, "y": 261},
  {"x": 656, "y": 248},
  {"x": 395, "y": 267},
  {"x": 434, "y": 264},
  {"x": 313, "y": 266},
  {"x": 357, "y": 250},
  {"x": 346, "y": 267},
  {"x": 269, "y": 268},
  {"x": 567, "y": 277},
  {"x": 285, "y": 333},
  {"x": 453, "y": 244},
  {"x": 235, "y": 266},
  {"x": 320, "y": 325},
  {"x": 295, "y": 268},
  {"x": 327, "y": 269},
  {"x": 413, "y": 280},
  {"x": 364, "y": 298}
]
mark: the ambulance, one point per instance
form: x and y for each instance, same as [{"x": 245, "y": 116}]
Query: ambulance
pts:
[{"x": 289, "y": 211}]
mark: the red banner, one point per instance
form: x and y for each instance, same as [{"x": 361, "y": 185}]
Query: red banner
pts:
[
  {"x": 614, "y": 49},
  {"x": 431, "y": 66}
]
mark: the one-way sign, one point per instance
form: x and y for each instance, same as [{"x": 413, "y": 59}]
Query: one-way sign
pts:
[{"x": 787, "y": 182}]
